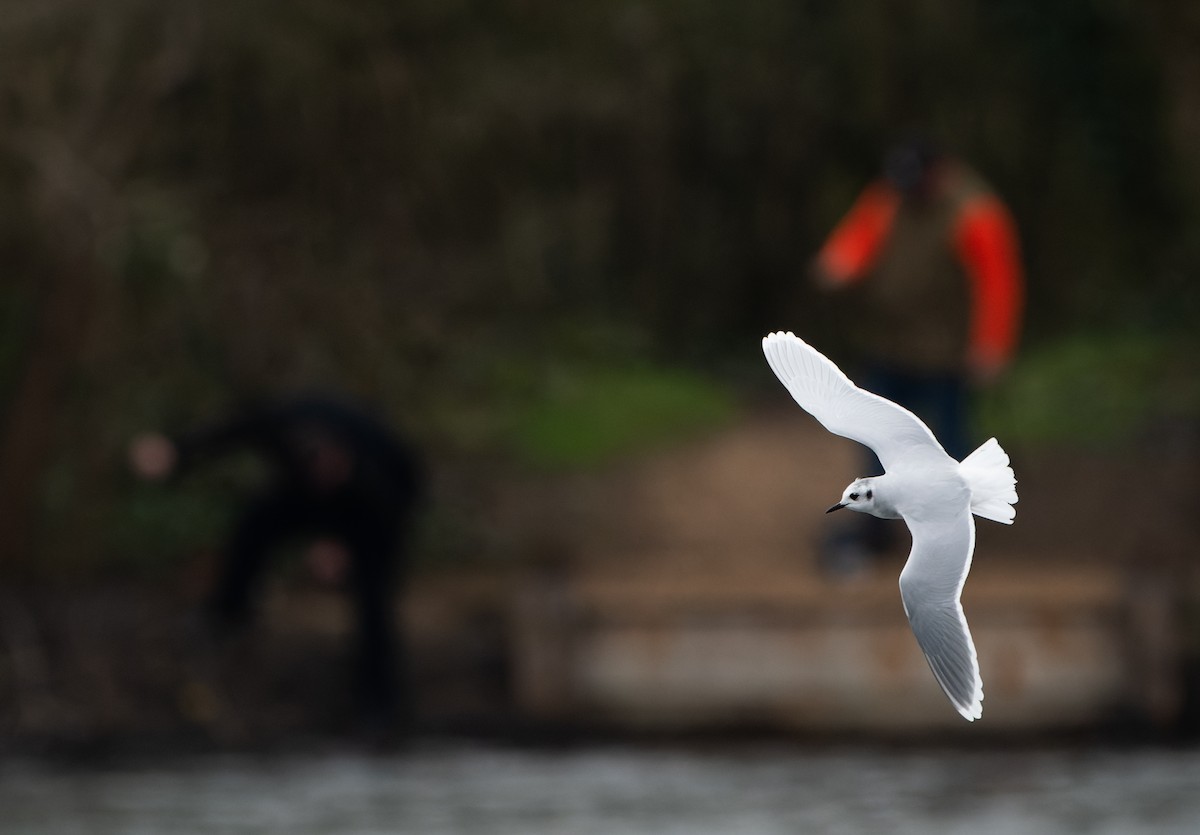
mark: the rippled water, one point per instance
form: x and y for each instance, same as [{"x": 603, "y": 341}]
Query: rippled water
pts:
[{"x": 618, "y": 790}]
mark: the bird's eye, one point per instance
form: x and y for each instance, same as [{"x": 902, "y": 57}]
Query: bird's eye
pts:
[
  {"x": 853, "y": 497},
  {"x": 870, "y": 494}
]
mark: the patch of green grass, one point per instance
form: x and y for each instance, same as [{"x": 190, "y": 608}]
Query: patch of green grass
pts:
[
  {"x": 1095, "y": 389},
  {"x": 587, "y": 416}
]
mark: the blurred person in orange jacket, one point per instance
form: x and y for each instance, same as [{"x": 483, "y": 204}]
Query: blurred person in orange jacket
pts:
[{"x": 933, "y": 258}]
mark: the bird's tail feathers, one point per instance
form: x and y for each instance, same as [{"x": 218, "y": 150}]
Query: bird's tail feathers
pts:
[{"x": 992, "y": 482}]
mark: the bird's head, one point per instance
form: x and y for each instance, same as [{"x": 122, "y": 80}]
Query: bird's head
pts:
[{"x": 860, "y": 496}]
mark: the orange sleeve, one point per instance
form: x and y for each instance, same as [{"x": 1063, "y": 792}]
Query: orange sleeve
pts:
[
  {"x": 855, "y": 242},
  {"x": 986, "y": 241}
]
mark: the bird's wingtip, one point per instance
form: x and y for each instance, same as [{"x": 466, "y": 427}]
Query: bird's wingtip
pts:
[
  {"x": 972, "y": 713},
  {"x": 974, "y": 710},
  {"x": 771, "y": 338},
  {"x": 777, "y": 336}
]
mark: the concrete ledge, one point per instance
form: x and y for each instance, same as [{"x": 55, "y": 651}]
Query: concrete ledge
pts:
[{"x": 1059, "y": 648}]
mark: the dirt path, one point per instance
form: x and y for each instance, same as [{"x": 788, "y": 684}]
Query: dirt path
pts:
[{"x": 754, "y": 494}]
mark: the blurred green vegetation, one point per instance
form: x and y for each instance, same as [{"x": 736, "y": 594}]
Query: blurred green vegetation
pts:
[
  {"x": 587, "y": 416},
  {"x": 1086, "y": 391},
  {"x": 501, "y": 221}
]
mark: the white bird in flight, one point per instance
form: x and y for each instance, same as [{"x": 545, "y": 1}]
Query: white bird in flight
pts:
[{"x": 934, "y": 494}]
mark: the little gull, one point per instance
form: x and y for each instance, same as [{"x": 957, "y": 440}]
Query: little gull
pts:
[{"x": 934, "y": 494}]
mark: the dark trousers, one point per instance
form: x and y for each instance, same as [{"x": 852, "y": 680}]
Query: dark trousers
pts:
[
  {"x": 938, "y": 399},
  {"x": 373, "y": 542}
]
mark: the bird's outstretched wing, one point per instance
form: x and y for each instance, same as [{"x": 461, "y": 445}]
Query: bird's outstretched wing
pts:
[
  {"x": 891, "y": 431},
  {"x": 930, "y": 586}
]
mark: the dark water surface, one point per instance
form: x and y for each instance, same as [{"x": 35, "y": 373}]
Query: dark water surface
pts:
[{"x": 500, "y": 791}]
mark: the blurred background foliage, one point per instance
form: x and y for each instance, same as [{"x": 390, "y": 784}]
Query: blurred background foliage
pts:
[{"x": 539, "y": 234}]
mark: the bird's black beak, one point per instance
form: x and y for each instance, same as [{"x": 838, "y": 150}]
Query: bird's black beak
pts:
[{"x": 837, "y": 506}]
